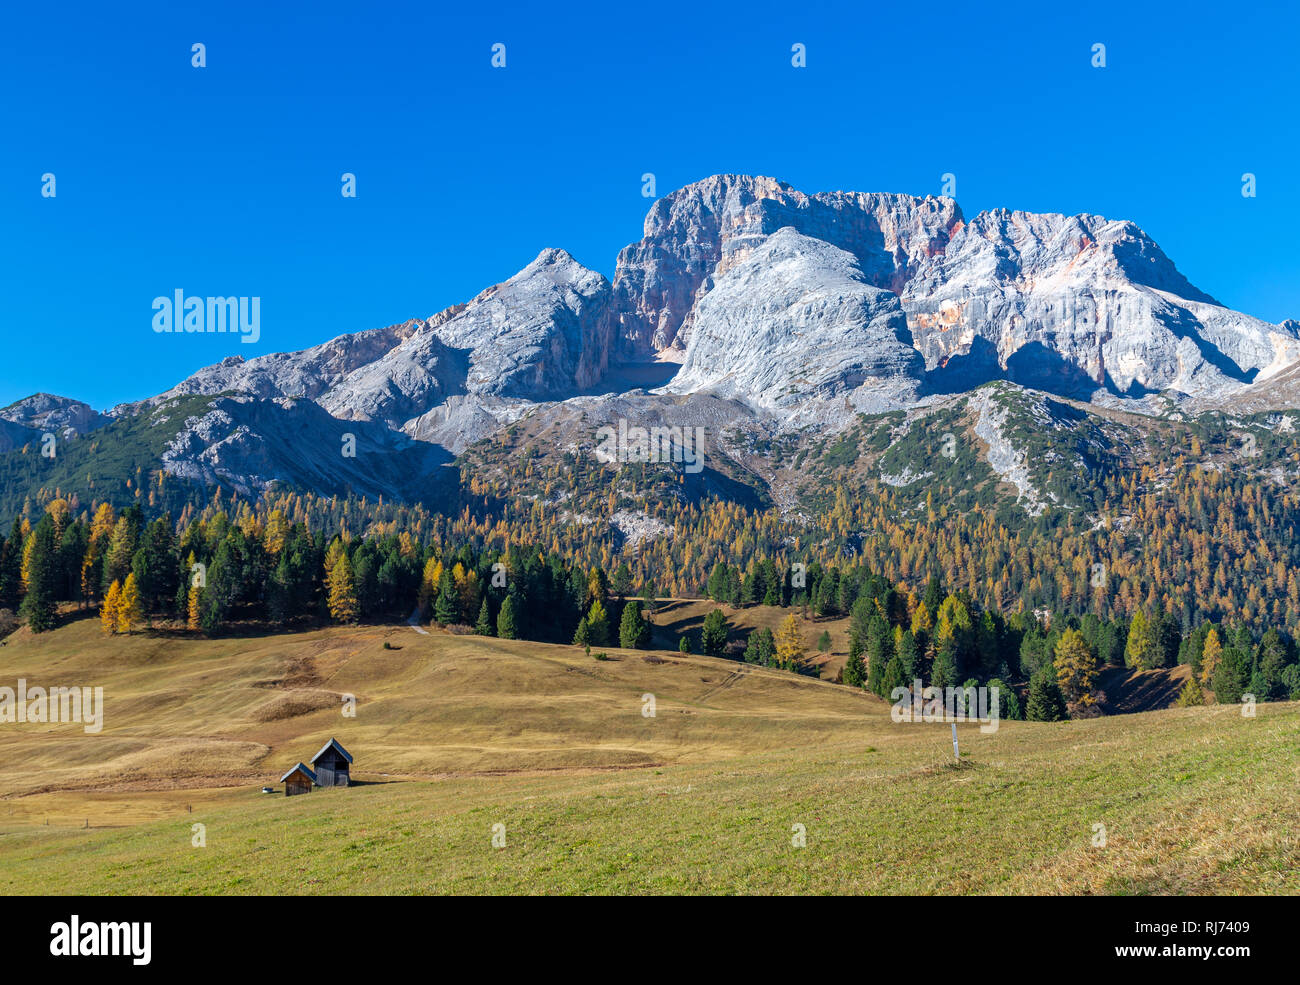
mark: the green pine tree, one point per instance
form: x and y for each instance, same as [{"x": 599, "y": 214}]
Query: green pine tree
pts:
[
  {"x": 484, "y": 625},
  {"x": 855, "y": 671},
  {"x": 1008, "y": 700},
  {"x": 714, "y": 639},
  {"x": 633, "y": 630},
  {"x": 944, "y": 671},
  {"x": 1231, "y": 677},
  {"x": 447, "y": 609},
  {"x": 621, "y": 583},
  {"x": 11, "y": 567},
  {"x": 909, "y": 657},
  {"x": 894, "y": 678},
  {"x": 42, "y": 578},
  {"x": 718, "y": 587},
  {"x": 761, "y": 648},
  {"x": 1045, "y": 703},
  {"x": 508, "y": 619}
]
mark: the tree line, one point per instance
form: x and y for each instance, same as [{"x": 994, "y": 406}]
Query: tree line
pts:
[{"x": 213, "y": 569}]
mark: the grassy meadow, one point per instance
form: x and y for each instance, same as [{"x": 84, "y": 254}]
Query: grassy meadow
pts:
[{"x": 458, "y": 739}]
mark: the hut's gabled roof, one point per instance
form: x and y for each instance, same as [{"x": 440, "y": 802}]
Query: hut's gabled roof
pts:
[
  {"x": 300, "y": 768},
  {"x": 335, "y": 743}
]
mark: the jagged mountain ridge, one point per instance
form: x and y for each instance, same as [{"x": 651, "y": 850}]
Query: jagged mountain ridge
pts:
[
  {"x": 803, "y": 309},
  {"x": 44, "y": 412},
  {"x": 1077, "y": 305},
  {"x": 698, "y": 232}
]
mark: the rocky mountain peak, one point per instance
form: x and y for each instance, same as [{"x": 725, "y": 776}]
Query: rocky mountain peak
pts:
[
  {"x": 696, "y": 233},
  {"x": 49, "y": 412},
  {"x": 802, "y": 309},
  {"x": 1079, "y": 305}
]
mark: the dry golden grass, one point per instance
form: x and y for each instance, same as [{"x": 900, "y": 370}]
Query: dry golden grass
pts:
[
  {"x": 187, "y": 713},
  {"x": 676, "y": 618},
  {"x": 455, "y": 734}
]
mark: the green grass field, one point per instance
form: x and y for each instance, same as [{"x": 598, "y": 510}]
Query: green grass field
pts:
[{"x": 455, "y": 735}]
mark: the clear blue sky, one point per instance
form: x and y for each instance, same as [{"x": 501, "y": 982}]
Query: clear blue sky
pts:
[{"x": 225, "y": 180}]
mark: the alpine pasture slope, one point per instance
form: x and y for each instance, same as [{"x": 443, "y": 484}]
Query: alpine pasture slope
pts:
[{"x": 456, "y": 735}]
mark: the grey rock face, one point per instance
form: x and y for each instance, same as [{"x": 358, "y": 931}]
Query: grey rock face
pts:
[
  {"x": 309, "y": 373},
  {"x": 417, "y": 373},
  {"x": 697, "y": 233},
  {"x": 62, "y": 416},
  {"x": 543, "y": 332},
  {"x": 1009, "y": 462},
  {"x": 1077, "y": 304},
  {"x": 251, "y": 443},
  {"x": 795, "y": 319},
  {"x": 403, "y": 391},
  {"x": 786, "y": 310}
]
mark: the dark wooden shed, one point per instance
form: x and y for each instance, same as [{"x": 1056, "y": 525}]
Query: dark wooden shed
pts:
[
  {"x": 298, "y": 780},
  {"x": 332, "y": 765}
]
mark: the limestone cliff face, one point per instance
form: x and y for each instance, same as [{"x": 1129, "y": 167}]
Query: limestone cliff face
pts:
[
  {"x": 798, "y": 319},
  {"x": 541, "y": 334},
  {"x": 803, "y": 309},
  {"x": 309, "y": 373},
  {"x": 1078, "y": 304},
  {"x": 538, "y": 335},
  {"x": 696, "y": 234},
  {"x": 1073, "y": 304},
  {"x": 252, "y": 442},
  {"x": 47, "y": 413}
]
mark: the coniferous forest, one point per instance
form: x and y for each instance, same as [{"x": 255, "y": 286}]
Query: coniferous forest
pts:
[{"x": 235, "y": 565}]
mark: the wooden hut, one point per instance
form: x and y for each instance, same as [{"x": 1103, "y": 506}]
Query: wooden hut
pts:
[
  {"x": 298, "y": 780},
  {"x": 332, "y": 764}
]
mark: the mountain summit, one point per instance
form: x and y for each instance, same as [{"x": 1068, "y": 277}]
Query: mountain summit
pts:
[{"x": 745, "y": 299}]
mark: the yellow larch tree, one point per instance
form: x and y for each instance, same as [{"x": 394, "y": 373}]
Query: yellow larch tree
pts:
[
  {"x": 342, "y": 592},
  {"x": 129, "y": 613},
  {"x": 108, "y": 609},
  {"x": 789, "y": 645}
]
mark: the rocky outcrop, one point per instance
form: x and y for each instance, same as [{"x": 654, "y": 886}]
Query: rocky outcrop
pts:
[
  {"x": 1009, "y": 462},
  {"x": 251, "y": 443},
  {"x": 543, "y": 333},
  {"x": 797, "y": 319},
  {"x": 46, "y": 412},
  {"x": 540, "y": 335},
  {"x": 800, "y": 310},
  {"x": 1078, "y": 304},
  {"x": 310, "y": 373},
  {"x": 696, "y": 234}
]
